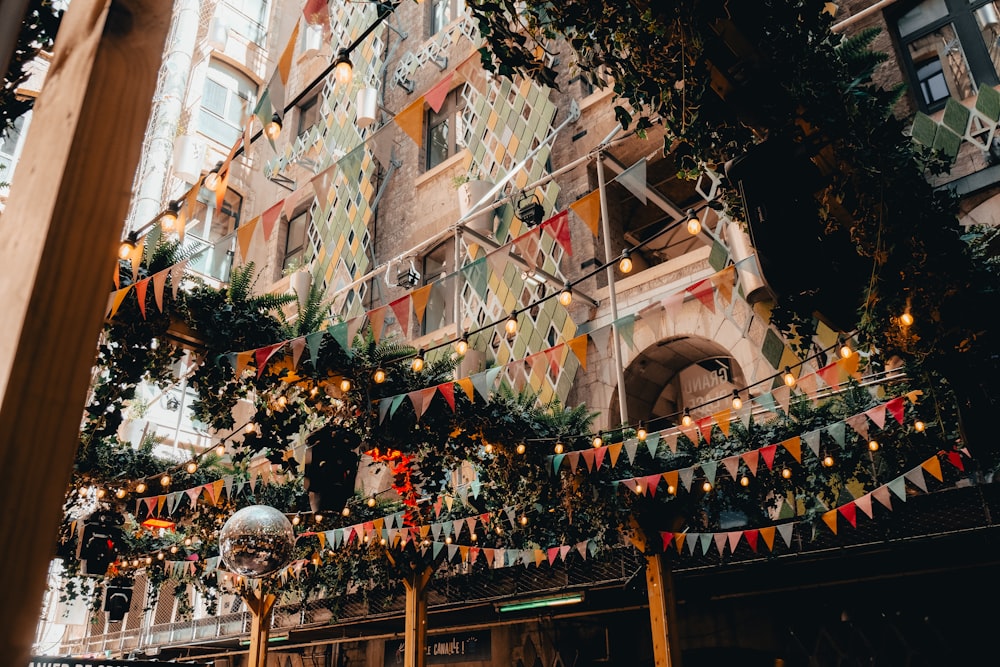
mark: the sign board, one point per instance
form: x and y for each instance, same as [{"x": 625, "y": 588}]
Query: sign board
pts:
[
  {"x": 56, "y": 661},
  {"x": 446, "y": 649},
  {"x": 705, "y": 381}
]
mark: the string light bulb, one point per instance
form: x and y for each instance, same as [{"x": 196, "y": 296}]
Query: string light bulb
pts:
[
  {"x": 566, "y": 295},
  {"x": 140, "y": 487},
  {"x": 211, "y": 180},
  {"x": 343, "y": 69},
  {"x": 671, "y": 489},
  {"x": 127, "y": 246},
  {"x": 906, "y": 319},
  {"x": 296, "y": 520},
  {"x": 686, "y": 419},
  {"x": 191, "y": 467},
  {"x": 346, "y": 511},
  {"x": 559, "y": 448},
  {"x": 744, "y": 481},
  {"x": 873, "y": 445},
  {"x": 168, "y": 219},
  {"x": 379, "y": 376},
  {"x": 462, "y": 344},
  {"x": 188, "y": 541},
  {"x": 418, "y": 362},
  {"x": 345, "y": 385},
  {"x": 159, "y": 555},
  {"x": 919, "y": 426},
  {"x": 521, "y": 448},
  {"x": 737, "y": 401},
  {"x": 282, "y": 401},
  {"x": 707, "y": 486},
  {"x": 488, "y": 448},
  {"x": 371, "y": 501},
  {"x": 220, "y": 450},
  {"x": 786, "y": 473},
  {"x": 828, "y": 461},
  {"x": 120, "y": 493},
  {"x": 693, "y": 223},
  {"x": 318, "y": 518},
  {"x": 641, "y": 433},
  {"x": 165, "y": 480},
  {"x": 174, "y": 549},
  {"x": 845, "y": 349},
  {"x": 788, "y": 377},
  {"x": 101, "y": 493},
  {"x": 510, "y": 326},
  {"x": 273, "y": 128},
  {"x": 597, "y": 441},
  {"x": 524, "y": 520},
  {"x": 625, "y": 263}
]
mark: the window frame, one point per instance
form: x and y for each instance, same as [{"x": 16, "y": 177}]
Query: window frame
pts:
[
  {"x": 453, "y": 9},
  {"x": 450, "y": 112},
  {"x": 298, "y": 252},
  {"x": 961, "y": 15},
  {"x": 445, "y": 249},
  {"x": 222, "y": 69}
]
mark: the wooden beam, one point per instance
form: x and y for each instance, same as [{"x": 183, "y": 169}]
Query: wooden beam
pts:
[
  {"x": 662, "y": 611},
  {"x": 415, "y": 632},
  {"x": 58, "y": 246}
]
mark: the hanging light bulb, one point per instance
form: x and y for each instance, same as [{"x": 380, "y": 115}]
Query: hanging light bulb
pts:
[
  {"x": 510, "y": 326},
  {"x": 462, "y": 344},
  {"x": 671, "y": 489},
  {"x": 382, "y": 542},
  {"x": 418, "y": 362},
  {"x": 371, "y": 501},
  {"x": 318, "y": 518},
  {"x": 566, "y": 295},
  {"x": 447, "y": 539},
  {"x": 343, "y": 69},
  {"x": 474, "y": 537},
  {"x": 845, "y": 348},
  {"x": 786, "y": 473},
  {"x": 521, "y": 448},
  {"x": 165, "y": 480},
  {"x": 168, "y": 219},
  {"x": 273, "y": 128},
  {"x": 159, "y": 555},
  {"x": 211, "y": 180},
  {"x": 788, "y": 377},
  {"x": 640, "y": 432},
  {"x": 488, "y": 448},
  {"x": 707, "y": 486},
  {"x": 524, "y": 520},
  {"x": 296, "y": 520},
  {"x": 625, "y": 263},
  {"x": 149, "y": 560},
  {"x": 127, "y": 246},
  {"x": 346, "y": 511},
  {"x": 191, "y": 467},
  {"x": 174, "y": 549},
  {"x": 140, "y": 487},
  {"x": 828, "y": 461},
  {"x": 345, "y": 385},
  {"x": 282, "y": 401},
  {"x": 919, "y": 426},
  {"x": 598, "y": 441},
  {"x": 873, "y": 445},
  {"x": 188, "y": 541},
  {"x": 693, "y": 223},
  {"x": 744, "y": 481},
  {"x": 737, "y": 401},
  {"x": 686, "y": 419},
  {"x": 120, "y": 493},
  {"x": 906, "y": 319},
  {"x": 559, "y": 448},
  {"x": 220, "y": 450},
  {"x": 101, "y": 493},
  {"x": 379, "y": 376}
]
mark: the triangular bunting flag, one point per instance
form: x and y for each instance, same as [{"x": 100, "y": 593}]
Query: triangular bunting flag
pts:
[
  {"x": 634, "y": 180},
  {"x": 588, "y": 209}
]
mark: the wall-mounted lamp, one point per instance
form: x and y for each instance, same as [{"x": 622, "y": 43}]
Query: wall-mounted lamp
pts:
[{"x": 273, "y": 128}]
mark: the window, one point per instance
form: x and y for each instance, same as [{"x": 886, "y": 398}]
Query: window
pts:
[
  {"x": 227, "y": 99},
  {"x": 246, "y": 17},
  {"x": 308, "y": 115},
  {"x": 445, "y": 131},
  {"x": 441, "y": 13},
  {"x": 437, "y": 264},
  {"x": 295, "y": 241},
  {"x": 207, "y": 226},
  {"x": 950, "y": 48},
  {"x": 9, "y": 148}
]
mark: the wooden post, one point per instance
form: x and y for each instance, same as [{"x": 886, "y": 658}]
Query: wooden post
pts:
[
  {"x": 662, "y": 610},
  {"x": 260, "y": 605},
  {"x": 60, "y": 232},
  {"x": 415, "y": 632}
]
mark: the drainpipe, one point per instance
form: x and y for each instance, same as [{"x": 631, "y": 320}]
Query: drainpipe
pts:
[{"x": 157, "y": 155}]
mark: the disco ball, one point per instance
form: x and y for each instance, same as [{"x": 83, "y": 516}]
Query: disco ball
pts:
[{"x": 256, "y": 541}]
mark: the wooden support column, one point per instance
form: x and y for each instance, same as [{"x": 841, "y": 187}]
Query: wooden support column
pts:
[
  {"x": 60, "y": 231},
  {"x": 415, "y": 632},
  {"x": 662, "y": 611},
  {"x": 260, "y": 605}
]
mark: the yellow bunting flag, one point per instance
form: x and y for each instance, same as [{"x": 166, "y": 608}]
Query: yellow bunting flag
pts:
[
  {"x": 419, "y": 299},
  {"x": 467, "y": 386},
  {"x": 588, "y": 209},
  {"x": 116, "y": 299},
  {"x": 830, "y": 519},
  {"x": 933, "y": 466},
  {"x": 244, "y": 234},
  {"x": 723, "y": 283},
  {"x": 794, "y": 447},
  {"x": 768, "y": 535},
  {"x": 579, "y": 347},
  {"x": 411, "y": 120},
  {"x": 722, "y": 419},
  {"x": 376, "y": 320}
]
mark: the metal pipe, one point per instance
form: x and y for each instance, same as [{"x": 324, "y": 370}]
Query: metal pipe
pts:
[{"x": 851, "y": 20}]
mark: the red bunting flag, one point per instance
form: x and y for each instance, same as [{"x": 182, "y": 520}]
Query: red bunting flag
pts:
[
  {"x": 447, "y": 390},
  {"x": 704, "y": 292},
  {"x": 767, "y": 453},
  {"x": 269, "y": 217},
  {"x": 401, "y": 307},
  {"x": 263, "y": 355},
  {"x": 140, "y": 293},
  {"x": 558, "y": 228},
  {"x": 850, "y": 512},
  {"x": 751, "y": 537},
  {"x": 895, "y": 408}
]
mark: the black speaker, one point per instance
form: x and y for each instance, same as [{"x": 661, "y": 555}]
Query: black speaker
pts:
[
  {"x": 99, "y": 544},
  {"x": 117, "y": 600},
  {"x": 331, "y": 467}
]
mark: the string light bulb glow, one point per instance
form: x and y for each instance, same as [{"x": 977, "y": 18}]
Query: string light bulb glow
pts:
[
  {"x": 165, "y": 480},
  {"x": 693, "y": 223},
  {"x": 686, "y": 419},
  {"x": 211, "y": 180},
  {"x": 671, "y": 489},
  {"x": 737, "y": 401},
  {"x": 462, "y": 344},
  {"x": 343, "y": 69},
  {"x": 188, "y": 541},
  {"x": 906, "y": 319},
  {"x": 828, "y": 461},
  {"x": 625, "y": 263},
  {"x": 873, "y": 445},
  {"x": 744, "y": 481},
  {"x": 100, "y": 493},
  {"x": 120, "y": 493},
  {"x": 418, "y": 362},
  {"x": 559, "y": 448},
  {"x": 345, "y": 385},
  {"x": 641, "y": 432},
  {"x": 597, "y": 441},
  {"x": 524, "y": 520},
  {"x": 521, "y": 448},
  {"x": 296, "y": 520},
  {"x": 510, "y": 326},
  {"x": 707, "y": 486},
  {"x": 273, "y": 128},
  {"x": 488, "y": 448},
  {"x": 371, "y": 501},
  {"x": 788, "y": 377},
  {"x": 174, "y": 549},
  {"x": 566, "y": 295},
  {"x": 786, "y": 473},
  {"x": 168, "y": 219},
  {"x": 919, "y": 426},
  {"x": 845, "y": 349},
  {"x": 379, "y": 376},
  {"x": 220, "y": 450},
  {"x": 346, "y": 511},
  {"x": 140, "y": 487},
  {"x": 127, "y": 246},
  {"x": 318, "y": 518}
]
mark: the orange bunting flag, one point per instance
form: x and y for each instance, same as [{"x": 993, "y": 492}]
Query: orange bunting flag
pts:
[
  {"x": 116, "y": 277},
  {"x": 722, "y": 419},
  {"x": 221, "y": 187},
  {"x": 411, "y": 120},
  {"x": 401, "y": 308},
  {"x": 159, "y": 282},
  {"x": 723, "y": 283},
  {"x": 768, "y": 536},
  {"x": 679, "y": 540},
  {"x": 830, "y": 519},
  {"x": 419, "y": 298},
  {"x": 285, "y": 61},
  {"x": 671, "y": 478},
  {"x": 116, "y": 299},
  {"x": 244, "y": 234},
  {"x": 135, "y": 258},
  {"x": 579, "y": 347},
  {"x": 439, "y": 91},
  {"x": 849, "y": 365},
  {"x": 751, "y": 458},
  {"x": 467, "y": 386},
  {"x": 140, "y": 294},
  {"x": 242, "y": 361},
  {"x": 794, "y": 447},
  {"x": 376, "y": 320},
  {"x": 588, "y": 209},
  {"x": 269, "y": 217},
  {"x": 933, "y": 466}
]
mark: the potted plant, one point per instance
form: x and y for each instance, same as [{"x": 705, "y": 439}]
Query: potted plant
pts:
[{"x": 471, "y": 191}]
